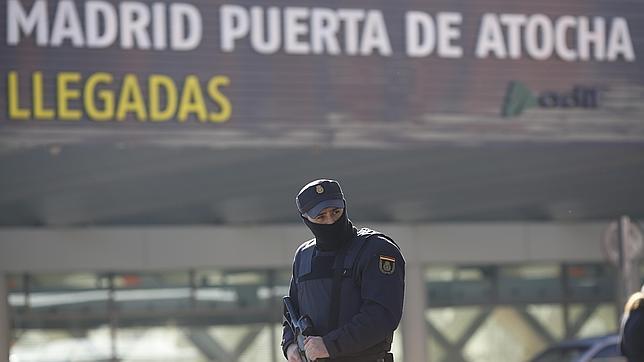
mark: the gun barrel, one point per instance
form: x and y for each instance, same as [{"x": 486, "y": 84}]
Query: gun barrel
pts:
[{"x": 290, "y": 309}]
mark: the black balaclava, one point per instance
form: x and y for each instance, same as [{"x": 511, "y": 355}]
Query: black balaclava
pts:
[
  {"x": 331, "y": 237},
  {"x": 312, "y": 199}
]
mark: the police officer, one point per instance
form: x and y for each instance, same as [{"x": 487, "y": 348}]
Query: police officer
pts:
[
  {"x": 350, "y": 282},
  {"x": 632, "y": 330}
]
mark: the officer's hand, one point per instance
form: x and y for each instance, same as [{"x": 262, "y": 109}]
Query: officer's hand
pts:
[
  {"x": 292, "y": 354},
  {"x": 315, "y": 348}
]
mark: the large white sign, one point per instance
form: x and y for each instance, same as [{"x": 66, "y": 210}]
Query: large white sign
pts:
[{"x": 317, "y": 30}]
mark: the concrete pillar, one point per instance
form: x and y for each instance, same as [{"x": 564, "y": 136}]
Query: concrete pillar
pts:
[
  {"x": 413, "y": 323},
  {"x": 4, "y": 320}
]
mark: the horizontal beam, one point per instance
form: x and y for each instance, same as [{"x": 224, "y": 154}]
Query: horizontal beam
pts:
[
  {"x": 204, "y": 317},
  {"x": 165, "y": 248}
]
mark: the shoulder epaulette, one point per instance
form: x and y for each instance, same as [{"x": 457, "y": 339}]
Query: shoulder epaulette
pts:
[{"x": 367, "y": 233}]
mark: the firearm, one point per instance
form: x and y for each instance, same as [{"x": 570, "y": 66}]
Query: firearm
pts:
[{"x": 301, "y": 326}]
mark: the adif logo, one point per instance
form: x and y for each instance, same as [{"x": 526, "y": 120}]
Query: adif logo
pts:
[{"x": 518, "y": 98}]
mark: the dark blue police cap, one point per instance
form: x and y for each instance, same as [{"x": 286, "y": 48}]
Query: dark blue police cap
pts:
[{"x": 318, "y": 195}]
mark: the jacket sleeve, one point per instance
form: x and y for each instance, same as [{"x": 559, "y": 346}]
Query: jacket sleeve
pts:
[
  {"x": 287, "y": 333},
  {"x": 381, "y": 270}
]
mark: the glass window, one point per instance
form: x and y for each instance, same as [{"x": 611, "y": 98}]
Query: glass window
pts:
[
  {"x": 283, "y": 277},
  {"x": 530, "y": 272},
  {"x": 435, "y": 351},
  {"x": 207, "y": 278},
  {"x": 234, "y": 340},
  {"x": 161, "y": 343},
  {"x": 530, "y": 307},
  {"x": 277, "y": 342},
  {"x": 257, "y": 345},
  {"x": 153, "y": 316},
  {"x": 60, "y": 282},
  {"x": 550, "y": 317},
  {"x": 464, "y": 285},
  {"x": 64, "y": 292},
  {"x": 504, "y": 336},
  {"x": 594, "y": 321},
  {"x": 530, "y": 283},
  {"x": 590, "y": 281},
  {"x": 68, "y": 343},
  {"x": 453, "y": 322},
  {"x": 440, "y": 274},
  {"x": 16, "y": 291},
  {"x": 151, "y": 280},
  {"x": 241, "y": 288},
  {"x": 448, "y": 273},
  {"x": 15, "y": 283},
  {"x": 151, "y": 291}
]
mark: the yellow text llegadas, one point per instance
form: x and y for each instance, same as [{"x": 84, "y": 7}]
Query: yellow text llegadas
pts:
[{"x": 96, "y": 98}]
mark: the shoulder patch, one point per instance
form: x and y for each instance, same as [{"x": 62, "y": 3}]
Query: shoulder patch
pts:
[{"x": 387, "y": 264}]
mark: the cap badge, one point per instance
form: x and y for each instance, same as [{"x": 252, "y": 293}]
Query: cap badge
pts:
[{"x": 319, "y": 189}]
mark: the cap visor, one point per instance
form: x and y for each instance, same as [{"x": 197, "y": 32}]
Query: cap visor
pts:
[{"x": 317, "y": 209}]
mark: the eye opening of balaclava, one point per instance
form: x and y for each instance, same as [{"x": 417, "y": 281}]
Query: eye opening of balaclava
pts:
[{"x": 330, "y": 237}]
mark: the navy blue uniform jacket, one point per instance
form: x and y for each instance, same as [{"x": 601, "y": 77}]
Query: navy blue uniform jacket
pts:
[{"x": 371, "y": 296}]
